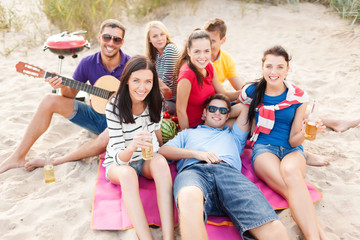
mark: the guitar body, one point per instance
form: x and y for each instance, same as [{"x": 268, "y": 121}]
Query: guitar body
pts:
[{"x": 107, "y": 82}]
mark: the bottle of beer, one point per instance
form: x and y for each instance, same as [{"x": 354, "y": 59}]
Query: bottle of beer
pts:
[
  {"x": 310, "y": 129},
  {"x": 49, "y": 169}
]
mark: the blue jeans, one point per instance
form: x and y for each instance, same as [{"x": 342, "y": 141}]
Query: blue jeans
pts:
[
  {"x": 85, "y": 116},
  {"x": 278, "y": 151},
  {"x": 227, "y": 192}
]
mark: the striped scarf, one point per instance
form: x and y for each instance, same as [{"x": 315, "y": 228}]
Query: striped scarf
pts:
[{"x": 266, "y": 119}]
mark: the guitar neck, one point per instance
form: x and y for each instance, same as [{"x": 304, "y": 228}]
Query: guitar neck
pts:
[{"x": 103, "y": 93}]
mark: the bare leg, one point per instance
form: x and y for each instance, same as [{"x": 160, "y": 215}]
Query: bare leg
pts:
[
  {"x": 128, "y": 179},
  {"x": 287, "y": 178},
  {"x": 38, "y": 125},
  {"x": 92, "y": 148},
  {"x": 271, "y": 230},
  {"x": 191, "y": 213},
  {"x": 340, "y": 125},
  {"x": 313, "y": 159},
  {"x": 158, "y": 169}
]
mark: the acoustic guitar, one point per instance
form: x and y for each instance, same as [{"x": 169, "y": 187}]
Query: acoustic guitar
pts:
[{"x": 100, "y": 93}]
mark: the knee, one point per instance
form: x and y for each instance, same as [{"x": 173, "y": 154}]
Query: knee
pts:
[
  {"x": 49, "y": 101},
  {"x": 127, "y": 176},
  {"x": 160, "y": 165},
  {"x": 291, "y": 174},
  {"x": 190, "y": 197}
]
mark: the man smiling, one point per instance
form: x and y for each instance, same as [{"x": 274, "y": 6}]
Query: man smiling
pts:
[
  {"x": 209, "y": 179},
  {"x": 109, "y": 61}
]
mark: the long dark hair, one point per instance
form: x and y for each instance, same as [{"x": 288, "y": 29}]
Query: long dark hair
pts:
[
  {"x": 123, "y": 104},
  {"x": 260, "y": 84},
  {"x": 185, "y": 58}
]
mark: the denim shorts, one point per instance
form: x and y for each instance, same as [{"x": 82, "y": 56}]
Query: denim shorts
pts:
[
  {"x": 85, "y": 116},
  {"x": 136, "y": 165},
  {"x": 278, "y": 151},
  {"x": 227, "y": 192}
]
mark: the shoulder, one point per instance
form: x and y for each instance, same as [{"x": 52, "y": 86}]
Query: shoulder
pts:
[
  {"x": 171, "y": 48},
  {"x": 249, "y": 88},
  {"x": 91, "y": 58},
  {"x": 226, "y": 57},
  {"x": 210, "y": 68},
  {"x": 186, "y": 72},
  {"x": 124, "y": 57}
]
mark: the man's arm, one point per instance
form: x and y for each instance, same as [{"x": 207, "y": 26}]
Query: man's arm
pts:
[
  {"x": 55, "y": 82},
  {"x": 236, "y": 83},
  {"x": 174, "y": 153}
]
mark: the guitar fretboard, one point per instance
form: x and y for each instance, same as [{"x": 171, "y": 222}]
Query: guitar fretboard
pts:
[{"x": 103, "y": 93}]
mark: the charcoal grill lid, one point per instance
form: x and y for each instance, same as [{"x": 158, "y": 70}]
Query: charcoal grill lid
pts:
[{"x": 65, "y": 41}]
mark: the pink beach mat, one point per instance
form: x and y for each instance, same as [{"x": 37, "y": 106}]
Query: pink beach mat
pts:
[{"x": 108, "y": 212}]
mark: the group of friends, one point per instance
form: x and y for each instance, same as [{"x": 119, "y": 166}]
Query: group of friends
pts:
[{"x": 215, "y": 125}]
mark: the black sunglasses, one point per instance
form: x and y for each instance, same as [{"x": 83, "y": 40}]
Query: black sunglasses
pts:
[
  {"x": 107, "y": 38},
  {"x": 213, "y": 109}
]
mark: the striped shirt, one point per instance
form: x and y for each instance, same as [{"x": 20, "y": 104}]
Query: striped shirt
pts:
[
  {"x": 165, "y": 67},
  {"x": 121, "y": 135}
]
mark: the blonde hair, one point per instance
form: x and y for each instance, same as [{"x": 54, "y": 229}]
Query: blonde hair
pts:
[{"x": 150, "y": 50}]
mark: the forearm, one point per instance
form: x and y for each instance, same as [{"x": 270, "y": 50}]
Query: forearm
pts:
[
  {"x": 68, "y": 92},
  {"x": 165, "y": 90},
  {"x": 236, "y": 83},
  {"x": 174, "y": 153},
  {"x": 126, "y": 154},
  {"x": 233, "y": 96},
  {"x": 296, "y": 139},
  {"x": 183, "y": 119}
]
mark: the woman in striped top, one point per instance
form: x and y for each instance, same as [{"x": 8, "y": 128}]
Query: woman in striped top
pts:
[
  {"x": 138, "y": 99},
  {"x": 164, "y": 53}
]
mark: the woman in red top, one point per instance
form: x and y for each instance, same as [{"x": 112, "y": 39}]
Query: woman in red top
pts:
[{"x": 197, "y": 80}]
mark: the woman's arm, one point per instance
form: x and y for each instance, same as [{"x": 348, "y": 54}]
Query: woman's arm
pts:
[
  {"x": 159, "y": 137},
  {"x": 296, "y": 134},
  {"x": 116, "y": 146},
  {"x": 220, "y": 89},
  {"x": 182, "y": 98},
  {"x": 165, "y": 90}
]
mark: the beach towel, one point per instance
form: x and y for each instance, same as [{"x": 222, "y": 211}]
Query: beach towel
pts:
[{"x": 108, "y": 212}]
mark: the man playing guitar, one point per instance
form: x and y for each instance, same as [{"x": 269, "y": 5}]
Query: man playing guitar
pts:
[{"x": 109, "y": 61}]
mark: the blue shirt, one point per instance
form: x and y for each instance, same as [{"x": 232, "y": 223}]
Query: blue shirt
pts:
[
  {"x": 225, "y": 143},
  {"x": 279, "y": 135},
  {"x": 91, "y": 68}
]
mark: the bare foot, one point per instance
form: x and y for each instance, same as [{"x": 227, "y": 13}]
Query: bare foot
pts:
[
  {"x": 317, "y": 160},
  {"x": 34, "y": 163},
  {"x": 10, "y": 163},
  {"x": 341, "y": 125}
]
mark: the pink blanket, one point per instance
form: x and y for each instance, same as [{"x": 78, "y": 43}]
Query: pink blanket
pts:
[{"x": 109, "y": 212}]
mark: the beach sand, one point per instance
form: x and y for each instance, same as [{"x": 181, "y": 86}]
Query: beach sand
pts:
[{"x": 326, "y": 63}]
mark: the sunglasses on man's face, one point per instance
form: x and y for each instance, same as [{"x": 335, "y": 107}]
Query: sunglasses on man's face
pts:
[
  {"x": 222, "y": 110},
  {"x": 107, "y": 38}
]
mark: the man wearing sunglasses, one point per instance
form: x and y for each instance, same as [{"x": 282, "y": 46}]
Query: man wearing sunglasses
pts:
[
  {"x": 209, "y": 179},
  {"x": 109, "y": 61}
]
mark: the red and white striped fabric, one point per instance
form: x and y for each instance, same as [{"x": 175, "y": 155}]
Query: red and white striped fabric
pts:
[{"x": 266, "y": 119}]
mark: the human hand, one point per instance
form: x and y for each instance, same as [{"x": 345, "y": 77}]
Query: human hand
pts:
[
  {"x": 320, "y": 127},
  {"x": 55, "y": 82},
  {"x": 141, "y": 140},
  {"x": 208, "y": 157}
]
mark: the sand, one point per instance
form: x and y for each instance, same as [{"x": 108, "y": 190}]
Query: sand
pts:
[{"x": 326, "y": 63}]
